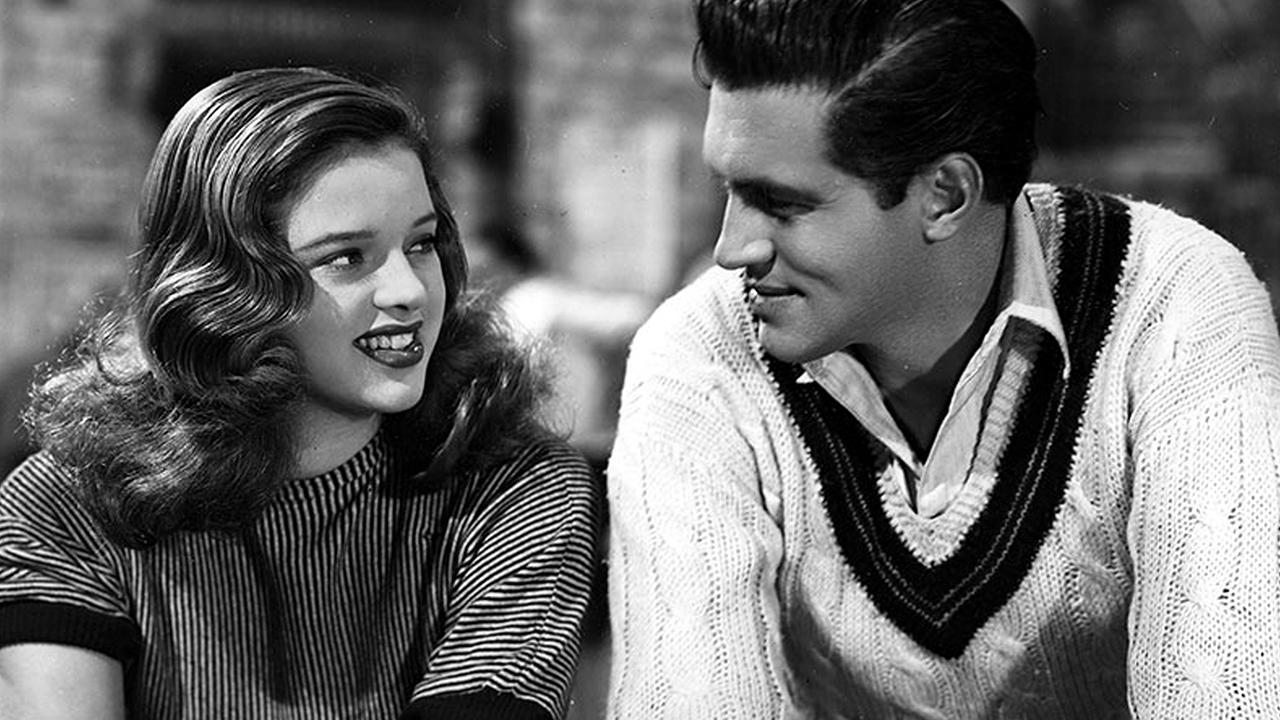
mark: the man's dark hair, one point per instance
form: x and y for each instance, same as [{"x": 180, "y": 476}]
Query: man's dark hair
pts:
[{"x": 911, "y": 80}]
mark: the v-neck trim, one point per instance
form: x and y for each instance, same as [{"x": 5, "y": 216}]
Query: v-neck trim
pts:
[{"x": 942, "y": 604}]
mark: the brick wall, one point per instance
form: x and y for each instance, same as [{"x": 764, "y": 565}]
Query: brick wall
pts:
[
  {"x": 1175, "y": 102},
  {"x": 610, "y": 184},
  {"x": 602, "y": 168},
  {"x": 72, "y": 153},
  {"x": 86, "y": 87}
]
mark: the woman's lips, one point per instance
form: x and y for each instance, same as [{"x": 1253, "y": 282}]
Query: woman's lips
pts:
[{"x": 398, "y": 347}]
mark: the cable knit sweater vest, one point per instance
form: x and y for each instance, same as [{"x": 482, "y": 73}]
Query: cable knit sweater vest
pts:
[
  {"x": 941, "y": 606},
  {"x": 1121, "y": 562}
]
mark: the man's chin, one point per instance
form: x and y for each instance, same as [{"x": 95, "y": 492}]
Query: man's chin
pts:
[{"x": 786, "y": 346}]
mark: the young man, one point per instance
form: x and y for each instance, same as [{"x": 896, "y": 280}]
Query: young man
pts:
[{"x": 932, "y": 443}]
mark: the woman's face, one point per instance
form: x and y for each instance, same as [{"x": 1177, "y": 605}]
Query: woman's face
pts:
[{"x": 365, "y": 229}]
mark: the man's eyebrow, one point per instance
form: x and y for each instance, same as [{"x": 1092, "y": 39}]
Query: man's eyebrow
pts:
[{"x": 758, "y": 186}]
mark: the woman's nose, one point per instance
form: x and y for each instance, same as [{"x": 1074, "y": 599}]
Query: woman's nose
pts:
[{"x": 399, "y": 285}]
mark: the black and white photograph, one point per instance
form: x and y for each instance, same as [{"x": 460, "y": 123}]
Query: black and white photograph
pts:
[{"x": 638, "y": 359}]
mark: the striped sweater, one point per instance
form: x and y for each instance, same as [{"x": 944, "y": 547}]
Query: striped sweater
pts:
[
  {"x": 351, "y": 597},
  {"x": 1123, "y": 562}
]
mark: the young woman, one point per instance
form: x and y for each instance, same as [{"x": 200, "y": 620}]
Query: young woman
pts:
[{"x": 299, "y": 474}]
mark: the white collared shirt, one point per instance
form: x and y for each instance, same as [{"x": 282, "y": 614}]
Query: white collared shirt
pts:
[{"x": 1025, "y": 296}]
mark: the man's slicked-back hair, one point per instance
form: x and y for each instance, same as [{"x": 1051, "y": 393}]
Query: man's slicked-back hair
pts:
[{"x": 910, "y": 80}]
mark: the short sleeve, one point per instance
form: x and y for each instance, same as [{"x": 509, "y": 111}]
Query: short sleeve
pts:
[
  {"x": 527, "y": 561},
  {"x": 59, "y": 577}
]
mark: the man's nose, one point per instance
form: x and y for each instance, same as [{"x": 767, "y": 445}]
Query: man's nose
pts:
[{"x": 744, "y": 240}]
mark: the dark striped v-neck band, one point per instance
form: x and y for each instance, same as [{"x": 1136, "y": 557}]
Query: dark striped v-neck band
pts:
[{"x": 942, "y": 606}]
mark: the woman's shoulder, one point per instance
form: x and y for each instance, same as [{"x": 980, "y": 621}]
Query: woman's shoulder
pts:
[
  {"x": 42, "y": 495},
  {"x": 39, "y": 482},
  {"x": 547, "y": 470},
  {"x": 546, "y": 460}
]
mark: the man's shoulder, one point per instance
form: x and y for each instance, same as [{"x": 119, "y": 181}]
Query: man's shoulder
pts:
[
  {"x": 699, "y": 350},
  {"x": 703, "y": 320},
  {"x": 1186, "y": 298},
  {"x": 1175, "y": 254},
  {"x": 1165, "y": 248},
  {"x": 1156, "y": 227}
]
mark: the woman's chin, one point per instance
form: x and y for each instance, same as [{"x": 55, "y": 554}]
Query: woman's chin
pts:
[{"x": 393, "y": 403}]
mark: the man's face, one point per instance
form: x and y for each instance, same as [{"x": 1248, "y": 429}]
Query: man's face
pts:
[{"x": 827, "y": 267}]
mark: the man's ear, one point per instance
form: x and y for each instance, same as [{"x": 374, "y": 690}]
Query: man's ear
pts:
[{"x": 952, "y": 189}]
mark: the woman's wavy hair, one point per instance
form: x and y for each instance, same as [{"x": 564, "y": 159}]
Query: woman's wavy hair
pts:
[{"x": 174, "y": 410}]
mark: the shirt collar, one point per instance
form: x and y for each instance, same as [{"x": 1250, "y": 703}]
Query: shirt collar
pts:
[{"x": 1025, "y": 291}]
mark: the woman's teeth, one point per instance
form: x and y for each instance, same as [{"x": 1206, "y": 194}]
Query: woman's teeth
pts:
[{"x": 387, "y": 342}]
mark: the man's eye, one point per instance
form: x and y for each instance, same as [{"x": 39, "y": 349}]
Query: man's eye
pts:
[
  {"x": 784, "y": 209},
  {"x": 775, "y": 206},
  {"x": 772, "y": 205}
]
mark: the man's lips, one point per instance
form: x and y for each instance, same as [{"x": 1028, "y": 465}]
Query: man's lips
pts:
[
  {"x": 395, "y": 346},
  {"x": 771, "y": 290},
  {"x": 767, "y": 299}
]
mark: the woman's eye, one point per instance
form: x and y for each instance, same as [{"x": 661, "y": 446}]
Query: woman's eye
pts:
[
  {"x": 423, "y": 245},
  {"x": 344, "y": 259}
]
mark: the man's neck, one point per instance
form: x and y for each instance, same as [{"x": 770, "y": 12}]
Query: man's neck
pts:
[{"x": 917, "y": 375}]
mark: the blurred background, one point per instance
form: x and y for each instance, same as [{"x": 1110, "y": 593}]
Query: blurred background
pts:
[{"x": 569, "y": 133}]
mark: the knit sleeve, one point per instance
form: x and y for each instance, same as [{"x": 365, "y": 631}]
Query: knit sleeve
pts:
[
  {"x": 694, "y": 553},
  {"x": 59, "y": 578},
  {"x": 526, "y": 561},
  {"x": 1204, "y": 531}
]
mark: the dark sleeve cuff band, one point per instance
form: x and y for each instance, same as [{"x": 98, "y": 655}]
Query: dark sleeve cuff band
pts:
[
  {"x": 62, "y": 624},
  {"x": 486, "y": 704}
]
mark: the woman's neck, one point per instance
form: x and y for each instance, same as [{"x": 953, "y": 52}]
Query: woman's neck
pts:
[{"x": 325, "y": 439}]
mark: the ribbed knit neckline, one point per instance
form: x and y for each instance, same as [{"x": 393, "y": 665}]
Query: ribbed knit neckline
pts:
[
  {"x": 370, "y": 464},
  {"x": 942, "y": 605}
]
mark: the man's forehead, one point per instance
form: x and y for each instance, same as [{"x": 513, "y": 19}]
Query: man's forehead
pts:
[
  {"x": 755, "y": 131},
  {"x": 767, "y": 109}
]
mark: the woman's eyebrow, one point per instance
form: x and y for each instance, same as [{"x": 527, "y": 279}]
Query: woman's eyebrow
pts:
[
  {"x": 343, "y": 237},
  {"x": 335, "y": 238}
]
